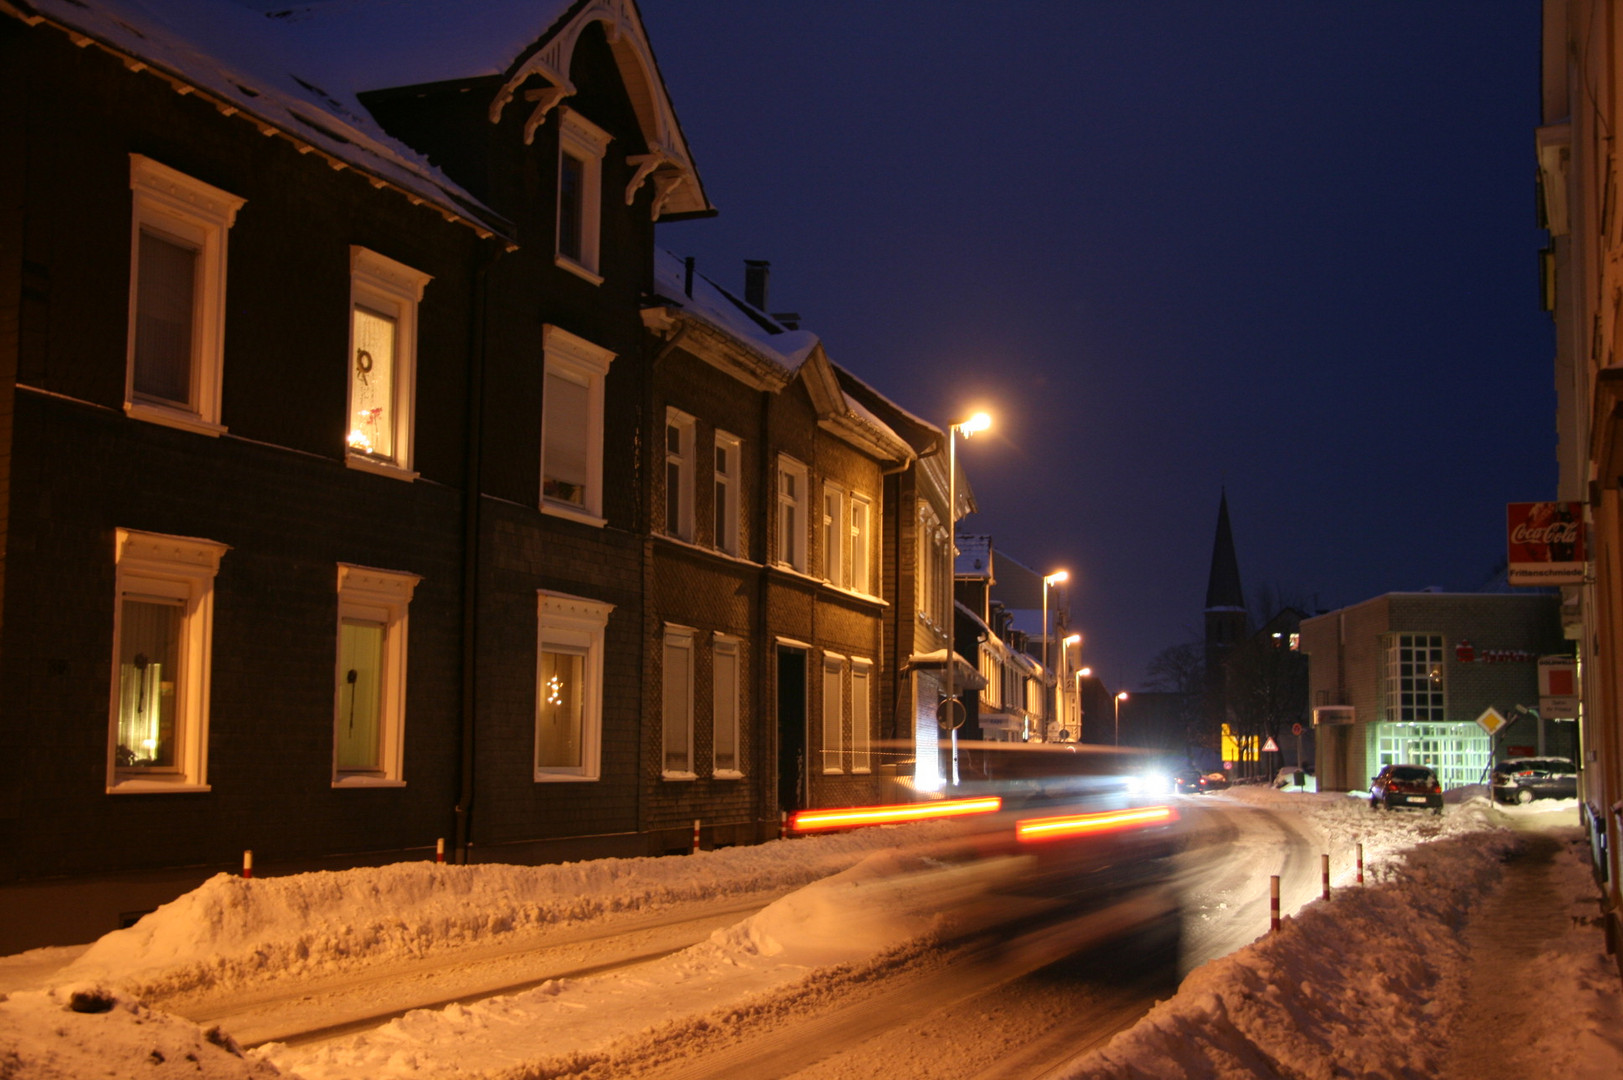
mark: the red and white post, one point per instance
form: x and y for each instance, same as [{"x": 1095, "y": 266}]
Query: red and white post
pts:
[
  {"x": 247, "y": 864},
  {"x": 439, "y": 850},
  {"x": 1360, "y": 864},
  {"x": 1273, "y": 904},
  {"x": 695, "y": 836},
  {"x": 1324, "y": 866}
]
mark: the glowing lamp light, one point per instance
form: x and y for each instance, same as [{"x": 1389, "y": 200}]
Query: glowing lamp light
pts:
[
  {"x": 854, "y": 816},
  {"x": 1106, "y": 821},
  {"x": 979, "y": 422}
]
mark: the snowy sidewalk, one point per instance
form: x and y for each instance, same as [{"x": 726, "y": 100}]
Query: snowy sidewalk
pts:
[{"x": 1539, "y": 992}]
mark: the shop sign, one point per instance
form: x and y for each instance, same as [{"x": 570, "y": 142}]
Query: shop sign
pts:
[{"x": 1546, "y": 543}]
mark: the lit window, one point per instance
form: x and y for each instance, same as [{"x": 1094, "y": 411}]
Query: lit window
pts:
[
  {"x": 727, "y": 492},
  {"x": 861, "y": 715},
  {"x": 572, "y": 426},
  {"x": 569, "y": 687},
  {"x": 791, "y": 538},
  {"x": 833, "y": 713},
  {"x": 678, "y": 474},
  {"x": 726, "y": 674},
  {"x": 860, "y": 578},
  {"x": 382, "y": 362},
  {"x": 1415, "y": 688},
  {"x": 177, "y": 297},
  {"x": 162, "y": 636},
  {"x": 833, "y": 534},
  {"x": 369, "y": 712},
  {"x": 677, "y": 677},
  {"x": 581, "y": 144}
]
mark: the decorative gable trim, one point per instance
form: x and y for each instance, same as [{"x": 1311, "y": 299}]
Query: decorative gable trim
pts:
[{"x": 667, "y": 164}]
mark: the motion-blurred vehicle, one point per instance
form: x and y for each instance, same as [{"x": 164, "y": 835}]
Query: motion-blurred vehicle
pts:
[
  {"x": 1049, "y": 838},
  {"x": 1406, "y": 787},
  {"x": 1521, "y": 780}
]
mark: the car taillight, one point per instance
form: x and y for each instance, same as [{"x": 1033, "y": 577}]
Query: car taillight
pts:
[
  {"x": 1436, "y": 789},
  {"x": 853, "y": 816},
  {"x": 1105, "y": 821}
]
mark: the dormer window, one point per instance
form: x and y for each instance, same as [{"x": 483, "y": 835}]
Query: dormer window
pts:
[{"x": 581, "y": 145}]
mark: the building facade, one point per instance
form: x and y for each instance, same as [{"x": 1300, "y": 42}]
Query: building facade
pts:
[{"x": 1404, "y": 678}]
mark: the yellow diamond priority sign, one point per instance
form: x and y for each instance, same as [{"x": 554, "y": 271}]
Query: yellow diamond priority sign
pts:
[{"x": 1491, "y": 721}]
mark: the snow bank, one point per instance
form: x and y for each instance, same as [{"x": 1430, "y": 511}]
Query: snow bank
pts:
[{"x": 232, "y": 931}]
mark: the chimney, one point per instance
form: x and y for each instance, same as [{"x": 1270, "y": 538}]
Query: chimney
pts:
[{"x": 756, "y": 272}]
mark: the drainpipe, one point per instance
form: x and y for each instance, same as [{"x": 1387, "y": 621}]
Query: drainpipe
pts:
[{"x": 471, "y": 485}]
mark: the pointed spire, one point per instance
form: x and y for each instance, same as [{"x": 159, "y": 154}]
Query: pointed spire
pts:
[{"x": 1223, "y": 586}]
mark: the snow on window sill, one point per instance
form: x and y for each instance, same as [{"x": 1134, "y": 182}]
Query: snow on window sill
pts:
[
  {"x": 726, "y": 774},
  {"x": 563, "y": 778},
  {"x": 678, "y": 776},
  {"x": 573, "y": 513},
  {"x": 564, "y": 262},
  {"x": 362, "y": 463},
  {"x": 366, "y": 782},
  {"x": 145, "y": 786}
]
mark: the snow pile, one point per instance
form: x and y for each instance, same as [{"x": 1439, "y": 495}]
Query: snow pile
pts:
[
  {"x": 232, "y": 931},
  {"x": 73, "y": 1032}
]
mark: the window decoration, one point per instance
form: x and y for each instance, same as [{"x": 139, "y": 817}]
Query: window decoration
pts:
[
  {"x": 384, "y": 296},
  {"x": 163, "y": 628},
  {"x": 569, "y": 687}
]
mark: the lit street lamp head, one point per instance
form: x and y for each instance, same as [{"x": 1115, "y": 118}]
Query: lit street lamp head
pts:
[
  {"x": 1056, "y": 577},
  {"x": 979, "y": 422}
]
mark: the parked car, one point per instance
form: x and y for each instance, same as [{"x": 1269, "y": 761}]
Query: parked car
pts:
[
  {"x": 1406, "y": 787},
  {"x": 1521, "y": 780}
]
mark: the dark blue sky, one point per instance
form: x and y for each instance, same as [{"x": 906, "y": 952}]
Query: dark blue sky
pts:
[{"x": 1287, "y": 249}]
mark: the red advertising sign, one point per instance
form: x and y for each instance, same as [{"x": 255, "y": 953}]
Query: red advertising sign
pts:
[{"x": 1546, "y": 543}]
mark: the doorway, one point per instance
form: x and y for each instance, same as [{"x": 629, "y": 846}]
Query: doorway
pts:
[{"x": 792, "y": 793}]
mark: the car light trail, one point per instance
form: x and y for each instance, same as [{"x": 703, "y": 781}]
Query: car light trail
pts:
[
  {"x": 1104, "y": 821},
  {"x": 814, "y": 820}
]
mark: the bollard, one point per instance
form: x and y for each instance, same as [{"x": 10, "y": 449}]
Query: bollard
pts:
[
  {"x": 783, "y": 824},
  {"x": 1324, "y": 864},
  {"x": 247, "y": 864},
  {"x": 1360, "y": 864},
  {"x": 1273, "y": 904},
  {"x": 439, "y": 850},
  {"x": 695, "y": 836}
]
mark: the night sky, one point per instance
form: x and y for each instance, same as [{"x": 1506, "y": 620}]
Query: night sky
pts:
[{"x": 1287, "y": 250}]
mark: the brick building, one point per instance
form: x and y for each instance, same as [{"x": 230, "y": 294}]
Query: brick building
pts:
[{"x": 1403, "y": 678}]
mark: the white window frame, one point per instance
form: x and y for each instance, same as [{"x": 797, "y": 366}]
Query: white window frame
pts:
[
  {"x": 575, "y": 625},
  {"x": 834, "y": 568},
  {"x": 727, "y": 493},
  {"x": 790, "y": 543},
  {"x": 862, "y": 520},
  {"x": 678, "y": 648},
  {"x": 391, "y": 288},
  {"x": 726, "y": 700},
  {"x": 380, "y": 596},
  {"x": 167, "y": 201},
  {"x": 682, "y": 461},
  {"x": 833, "y": 714},
  {"x": 182, "y": 569},
  {"x": 572, "y": 357},
  {"x": 862, "y": 684},
  {"x": 585, "y": 141}
]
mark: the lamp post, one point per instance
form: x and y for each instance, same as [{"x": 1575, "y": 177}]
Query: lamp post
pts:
[
  {"x": 979, "y": 422},
  {"x": 1048, "y": 673},
  {"x": 1081, "y": 714},
  {"x": 1120, "y": 697}
]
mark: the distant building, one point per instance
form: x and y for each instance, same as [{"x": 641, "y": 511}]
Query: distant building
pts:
[{"x": 1404, "y": 677}]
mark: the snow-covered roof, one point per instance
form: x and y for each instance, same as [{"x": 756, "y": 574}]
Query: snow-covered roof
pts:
[
  {"x": 713, "y": 305},
  {"x": 299, "y": 71}
]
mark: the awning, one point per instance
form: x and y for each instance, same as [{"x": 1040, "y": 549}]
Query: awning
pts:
[{"x": 964, "y": 675}]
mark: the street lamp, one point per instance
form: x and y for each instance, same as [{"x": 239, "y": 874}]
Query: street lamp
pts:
[
  {"x": 979, "y": 422},
  {"x": 1081, "y": 714},
  {"x": 1121, "y": 697},
  {"x": 1048, "y": 673}
]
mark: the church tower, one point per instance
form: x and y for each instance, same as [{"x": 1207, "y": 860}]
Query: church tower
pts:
[{"x": 1227, "y": 621}]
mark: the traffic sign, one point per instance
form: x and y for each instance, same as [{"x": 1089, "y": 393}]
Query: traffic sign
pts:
[
  {"x": 1296, "y": 729},
  {"x": 1270, "y": 747}
]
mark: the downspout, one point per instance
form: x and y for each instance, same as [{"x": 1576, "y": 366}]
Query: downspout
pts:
[
  {"x": 766, "y": 667},
  {"x": 478, "y": 343}
]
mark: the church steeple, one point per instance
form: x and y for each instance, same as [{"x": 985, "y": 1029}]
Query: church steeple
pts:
[{"x": 1226, "y": 617}]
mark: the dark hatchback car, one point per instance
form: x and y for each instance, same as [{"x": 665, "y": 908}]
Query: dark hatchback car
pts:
[
  {"x": 1406, "y": 787},
  {"x": 1521, "y": 780}
]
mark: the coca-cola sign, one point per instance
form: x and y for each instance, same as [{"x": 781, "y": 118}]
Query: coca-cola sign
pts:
[{"x": 1546, "y": 543}]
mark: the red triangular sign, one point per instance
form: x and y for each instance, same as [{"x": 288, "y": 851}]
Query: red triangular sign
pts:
[{"x": 1270, "y": 747}]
